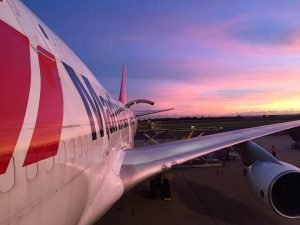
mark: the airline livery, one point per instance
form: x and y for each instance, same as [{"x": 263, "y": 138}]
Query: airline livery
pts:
[{"x": 66, "y": 146}]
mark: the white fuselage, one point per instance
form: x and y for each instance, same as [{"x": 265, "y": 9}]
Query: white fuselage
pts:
[{"x": 60, "y": 161}]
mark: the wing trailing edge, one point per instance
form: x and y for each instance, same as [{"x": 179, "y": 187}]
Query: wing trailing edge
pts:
[{"x": 142, "y": 163}]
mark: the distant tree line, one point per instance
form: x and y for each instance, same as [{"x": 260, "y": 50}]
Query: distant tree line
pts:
[{"x": 228, "y": 118}]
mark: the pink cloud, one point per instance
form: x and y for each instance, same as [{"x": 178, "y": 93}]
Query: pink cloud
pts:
[
  {"x": 274, "y": 89},
  {"x": 217, "y": 36},
  {"x": 198, "y": 90}
]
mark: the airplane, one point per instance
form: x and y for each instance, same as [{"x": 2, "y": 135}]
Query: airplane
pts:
[{"x": 67, "y": 146}]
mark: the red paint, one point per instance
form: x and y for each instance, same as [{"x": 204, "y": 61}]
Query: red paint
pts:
[
  {"x": 14, "y": 89},
  {"x": 47, "y": 132},
  {"x": 46, "y": 53}
]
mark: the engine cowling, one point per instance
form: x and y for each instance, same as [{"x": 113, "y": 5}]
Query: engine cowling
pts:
[{"x": 277, "y": 185}]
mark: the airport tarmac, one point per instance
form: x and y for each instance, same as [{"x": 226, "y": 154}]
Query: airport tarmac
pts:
[{"x": 206, "y": 196}]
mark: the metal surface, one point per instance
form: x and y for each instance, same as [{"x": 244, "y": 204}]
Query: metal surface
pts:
[
  {"x": 77, "y": 174},
  {"x": 144, "y": 162}
]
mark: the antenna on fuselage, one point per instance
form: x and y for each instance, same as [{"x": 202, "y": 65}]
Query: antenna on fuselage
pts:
[{"x": 123, "y": 97}]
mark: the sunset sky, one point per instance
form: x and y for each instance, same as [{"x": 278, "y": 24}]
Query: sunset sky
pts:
[{"x": 205, "y": 57}]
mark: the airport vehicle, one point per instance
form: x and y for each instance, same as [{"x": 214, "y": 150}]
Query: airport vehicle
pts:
[{"x": 66, "y": 146}]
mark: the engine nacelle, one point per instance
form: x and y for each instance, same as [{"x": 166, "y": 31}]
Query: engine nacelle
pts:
[{"x": 277, "y": 185}]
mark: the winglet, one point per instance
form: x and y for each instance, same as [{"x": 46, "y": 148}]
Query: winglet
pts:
[{"x": 123, "y": 97}]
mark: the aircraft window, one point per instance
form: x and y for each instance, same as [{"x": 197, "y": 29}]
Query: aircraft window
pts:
[
  {"x": 71, "y": 150},
  {"x": 49, "y": 164},
  {"x": 62, "y": 152},
  {"x": 91, "y": 144},
  {"x": 79, "y": 146},
  {"x": 97, "y": 142},
  {"x": 85, "y": 144},
  {"x": 7, "y": 180},
  {"x": 43, "y": 31},
  {"x": 31, "y": 171}
]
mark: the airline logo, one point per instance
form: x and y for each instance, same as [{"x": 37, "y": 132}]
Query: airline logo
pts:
[
  {"x": 50, "y": 112},
  {"x": 14, "y": 91},
  {"x": 15, "y": 81},
  {"x": 15, "y": 86},
  {"x": 114, "y": 119}
]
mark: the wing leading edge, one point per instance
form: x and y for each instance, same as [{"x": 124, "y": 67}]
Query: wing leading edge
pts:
[{"x": 144, "y": 162}]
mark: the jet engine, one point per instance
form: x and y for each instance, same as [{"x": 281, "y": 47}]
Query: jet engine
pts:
[{"x": 276, "y": 183}]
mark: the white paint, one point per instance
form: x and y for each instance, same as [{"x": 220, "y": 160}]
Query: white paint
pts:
[
  {"x": 7, "y": 180},
  {"x": 82, "y": 181}
]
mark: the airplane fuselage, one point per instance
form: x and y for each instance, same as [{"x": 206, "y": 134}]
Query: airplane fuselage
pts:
[
  {"x": 62, "y": 136},
  {"x": 66, "y": 145}
]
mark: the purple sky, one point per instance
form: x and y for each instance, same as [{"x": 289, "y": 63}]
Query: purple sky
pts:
[{"x": 205, "y": 57}]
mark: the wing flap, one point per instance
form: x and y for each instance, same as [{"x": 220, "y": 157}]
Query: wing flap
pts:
[{"x": 144, "y": 162}]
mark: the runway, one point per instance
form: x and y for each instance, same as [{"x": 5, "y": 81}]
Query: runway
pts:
[{"x": 206, "y": 196}]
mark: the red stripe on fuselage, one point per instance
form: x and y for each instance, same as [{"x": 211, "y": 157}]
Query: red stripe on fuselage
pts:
[
  {"x": 47, "y": 132},
  {"x": 14, "y": 89}
]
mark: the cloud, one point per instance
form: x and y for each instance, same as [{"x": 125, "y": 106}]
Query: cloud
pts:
[
  {"x": 201, "y": 57},
  {"x": 263, "y": 91},
  {"x": 260, "y": 31},
  {"x": 292, "y": 39},
  {"x": 234, "y": 93}
]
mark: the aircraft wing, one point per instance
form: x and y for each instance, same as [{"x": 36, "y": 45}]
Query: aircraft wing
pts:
[{"x": 144, "y": 162}]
